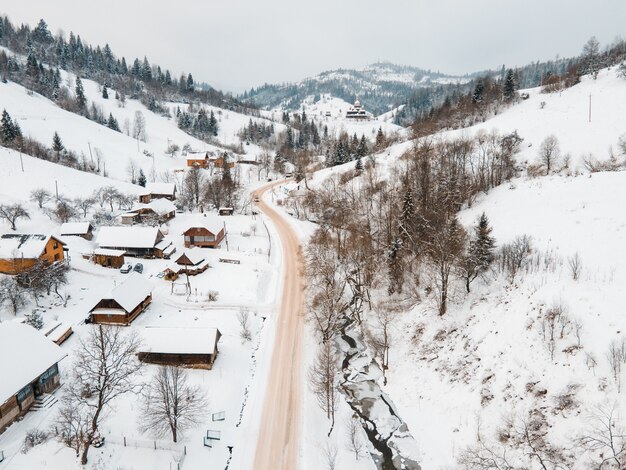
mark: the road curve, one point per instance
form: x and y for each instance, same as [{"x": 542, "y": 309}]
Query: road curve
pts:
[{"x": 279, "y": 436}]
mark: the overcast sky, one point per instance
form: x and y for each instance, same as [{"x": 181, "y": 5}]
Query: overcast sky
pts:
[{"x": 237, "y": 44}]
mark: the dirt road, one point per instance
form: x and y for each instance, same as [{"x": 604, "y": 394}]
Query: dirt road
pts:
[{"x": 278, "y": 440}]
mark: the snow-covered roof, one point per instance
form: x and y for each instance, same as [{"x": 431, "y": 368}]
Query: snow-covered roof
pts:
[
  {"x": 181, "y": 340},
  {"x": 26, "y": 354},
  {"x": 213, "y": 224},
  {"x": 75, "y": 228},
  {"x": 160, "y": 188},
  {"x": 162, "y": 206},
  {"x": 127, "y": 237},
  {"x": 132, "y": 291},
  {"x": 195, "y": 255},
  {"x": 105, "y": 252},
  {"x": 23, "y": 245}
]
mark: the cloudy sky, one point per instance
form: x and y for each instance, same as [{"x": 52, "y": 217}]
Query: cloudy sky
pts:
[{"x": 237, "y": 44}]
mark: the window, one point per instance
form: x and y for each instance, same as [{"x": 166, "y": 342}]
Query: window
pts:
[
  {"x": 23, "y": 394},
  {"x": 55, "y": 246},
  {"x": 187, "y": 238}
]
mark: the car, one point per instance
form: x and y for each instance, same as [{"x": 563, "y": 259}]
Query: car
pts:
[
  {"x": 126, "y": 268},
  {"x": 138, "y": 268}
]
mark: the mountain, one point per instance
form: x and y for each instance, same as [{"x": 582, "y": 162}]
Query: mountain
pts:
[{"x": 380, "y": 87}]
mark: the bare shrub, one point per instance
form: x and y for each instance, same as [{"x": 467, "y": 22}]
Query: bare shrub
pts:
[
  {"x": 575, "y": 264},
  {"x": 514, "y": 256},
  {"x": 212, "y": 296},
  {"x": 243, "y": 316}
]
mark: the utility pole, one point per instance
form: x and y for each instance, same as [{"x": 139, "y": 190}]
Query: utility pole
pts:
[
  {"x": 21, "y": 159},
  {"x": 56, "y": 188}
]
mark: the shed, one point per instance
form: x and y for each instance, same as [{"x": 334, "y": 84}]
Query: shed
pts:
[
  {"x": 58, "y": 331},
  {"x": 186, "y": 347},
  {"x": 124, "y": 303},
  {"x": 108, "y": 258},
  {"x": 226, "y": 211},
  {"x": 29, "y": 368},
  {"x": 77, "y": 229}
]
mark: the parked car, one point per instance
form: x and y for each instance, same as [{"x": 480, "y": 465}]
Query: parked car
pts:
[
  {"x": 126, "y": 268},
  {"x": 138, "y": 268}
]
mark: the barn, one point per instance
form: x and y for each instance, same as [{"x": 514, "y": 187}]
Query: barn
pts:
[
  {"x": 124, "y": 303},
  {"x": 207, "y": 234},
  {"x": 77, "y": 229},
  {"x": 29, "y": 368},
  {"x": 20, "y": 252},
  {"x": 195, "y": 348}
]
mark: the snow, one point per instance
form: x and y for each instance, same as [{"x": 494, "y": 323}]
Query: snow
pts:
[
  {"x": 106, "y": 252},
  {"x": 131, "y": 292},
  {"x": 23, "y": 245},
  {"x": 127, "y": 237},
  {"x": 179, "y": 340},
  {"x": 211, "y": 223},
  {"x": 26, "y": 354},
  {"x": 194, "y": 255},
  {"x": 161, "y": 206},
  {"x": 74, "y": 228},
  {"x": 160, "y": 189}
]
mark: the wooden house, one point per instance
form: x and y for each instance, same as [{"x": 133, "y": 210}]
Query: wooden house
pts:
[
  {"x": 29, "y": 368},
  {"x": 207, "y": 234},
  {"x": 77, "y": 229},
  {"x": 157, "y": 211},
  {"x": 191, "y": 262},
  {"x": 185, "y": 347},
  {"x": 199, "y": 162},
  {"x": 20, "y": 252},
  {"x": 143, "y": 242},
  {"x": 124, "y": 303},
  {"x": 226, "y": 211},
  {"x": 107, "y": 258},
  {"x": 158, "y": 191}
]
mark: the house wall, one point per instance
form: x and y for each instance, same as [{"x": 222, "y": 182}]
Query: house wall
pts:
[
  {"x": 109, "y": 261},
  {"x": 125, "y": 320},
  {"x": 53, "y": 252},
  {"x": 193, "y": 361}
]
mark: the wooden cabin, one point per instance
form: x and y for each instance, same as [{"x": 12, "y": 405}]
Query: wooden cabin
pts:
[
  {"x": 143, "y": 242},
  {"x": 77, "y": 229},
  {"x": 207, "y": 234},
  {"x": 20, "y": 252},
  {"x": 192, "y": 262},
  {"x": 29, "y": 368},
  {"x": 107, "y": 258},
  {"x": 158, "y": 191},
  {"x": 124, "y": 303},
  {"x": 157, "y": 211},
  {"x": 195, "y": 348},
  {"x": 226, "y": 211}
]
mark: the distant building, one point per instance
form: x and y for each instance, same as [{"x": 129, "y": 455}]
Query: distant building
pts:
[
  {"x": 143, "y": 242},
  {"x": 158, "y": 191},
  {"x": 158, "y": 210},
  {"x": 207, "y": 234},
  {"x": 28, "y": 369},
  {"x": 124, "y": 303},
  {"x": 20, "y": 252},
  {"x": 186, "y": 347},
  {"x": 77, "y": 229},
  {"x": 357, "y": 112}
]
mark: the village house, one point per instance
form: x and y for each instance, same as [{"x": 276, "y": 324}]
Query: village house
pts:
[
  {"x": 77, "y": 229},
  {"x": 211, "y": 161},
  {"x": 158, "y": 191},
  {"x": 124, "y": 303},
  {"x": 157, "y": 211},
  {"x": 191, "y": 262},
  {"x": 208, "y": 233},
  {"x": 29, "y": 368},
  {"x": 195, "y": 348},
  {"x": 143, "y": 242},
  {"x": 20, "y": 252}
]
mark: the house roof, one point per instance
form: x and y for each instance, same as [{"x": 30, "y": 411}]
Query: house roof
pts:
[
  {"x": 130, "y": 293},
  {"x": 105, "y": 252},
  {"x": 212, "y": 224},
  {"x": 162, "y": 206},
  {"x": 127, "y": 237},
  {"x": 32, "y": 354},
  {"x": 179, "y": 340},
  {"x": 23, "y": 245},
  {"x": 160, "y": 188},
  {"x": 75, "y": 228},
  {"x": 195, "y": 255}
]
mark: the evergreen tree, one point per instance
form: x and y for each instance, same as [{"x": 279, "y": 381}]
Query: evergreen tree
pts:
[
  {"x": 9, "y": 131},
  {"x": 136, "y": 69},
  {"x": 105, "y": 92},
  {"x": 340, "y": 156},
  {"x": 57, "y": 143},
  {"x": 141, "y": 179},
  {"x": 213, "y": 128},
  {"x": 34, "y": 319},
  {"x": 361, "y": 150},
  {"x": 480, "y": 253},
  {"x": 509, "y": 85},
  {"x": 81, "y": 100},
  {"x": 479, "y": 90},
  {"x": 359, "y": 166},
  {"x": 190, "y": 86},
  {"x": 112, "y": 123},
  {"x": 380, "y": 139},
  {"x": 146, "y": 70}
]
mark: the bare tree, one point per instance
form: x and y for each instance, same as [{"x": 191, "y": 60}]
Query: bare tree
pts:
[
  {"x": 132, "y": 170},
  {"x": 591, "y": 57},
  {"x": 193, "y": 185},
  {"x": 139, "y": 127},
  {"x": 607, "y": 437},
  {"x": 172, "y": 149},
  {"x": 84, "y": 204},
  {"x": 244, "y": 322},
  {"x": 616, "y": 356},
  {"x": 550, "y": 153},
  {"x": 330, "y": 455},
  {"x": 323, "y": 380},
  {"x": 40, "y": 196},
  {"x": 105, "y": 367},
  {"x": 171, "y": 404},
  {"x": 575, "y": 264},
  {"x": 354, "y": 431},
  {"x": 12, "y": 293},
  {"x": 380, "y": 334},
  {"x": 12, "y": 213},
  {"x": 62, "y": 212}
]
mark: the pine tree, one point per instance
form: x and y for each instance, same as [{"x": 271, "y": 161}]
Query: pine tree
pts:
[
  {"x": 509, "y": 85},
  {"x": 8, "y": 130},
  {"x": 57, "y": 143},
  {"x": 146, "y": 70},
  {"x": 190, "y": 86},
  {"x": 380, "y": 139},
  {"x": 34, "y": 319},
  {"x": 105, "y": 92},
  {"x": 340, "y": 156},
  {"x": 213, "y": 128},
  {"x": 361, "y": 150},
  {"x": 112, "y": 123},
  {"x": 141, "y": 179},
  {"x": 81, "y": 100},
  {"x": 359, "y": 166},
  {"x": 478, "y": 94},
  {"x": 480, "y": 253}
]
